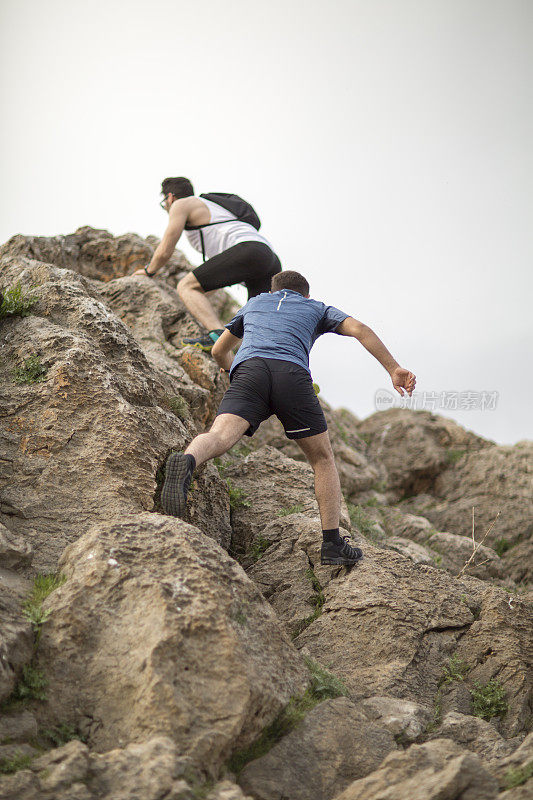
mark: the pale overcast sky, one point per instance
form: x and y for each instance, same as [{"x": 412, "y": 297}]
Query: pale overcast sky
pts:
[{"x": 386, "y": 145}]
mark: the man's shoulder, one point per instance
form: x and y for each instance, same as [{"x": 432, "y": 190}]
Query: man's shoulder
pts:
[{"x": 193, "y": 208}]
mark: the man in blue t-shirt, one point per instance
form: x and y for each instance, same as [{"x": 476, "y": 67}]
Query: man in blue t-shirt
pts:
[{"x": 270, "y": 375}]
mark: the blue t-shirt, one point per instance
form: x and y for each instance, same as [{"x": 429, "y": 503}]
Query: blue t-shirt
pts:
[{"x": 282, "y": 325}]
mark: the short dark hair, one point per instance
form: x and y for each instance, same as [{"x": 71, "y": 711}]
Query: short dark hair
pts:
[
  {"x": 290, "y": 280},
  {"x": 179, "y": 187}
]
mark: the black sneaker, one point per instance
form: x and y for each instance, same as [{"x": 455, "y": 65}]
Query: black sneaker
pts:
[
  {"x": 206, "y": 342},
  {"x": 178, "y": 474},
  {"x": 343, "y": 554}
]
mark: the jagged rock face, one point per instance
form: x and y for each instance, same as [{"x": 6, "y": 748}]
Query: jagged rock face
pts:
[
  {"x": 415, "y": 447},
  {"x": 85, "y": 443},
  {"x": 91, "y": 252},
  {"x": 16, "y": 640},
  {"x": 160, "y": 646},
  {"x": 496, "y": 479},
  {"x": 334, "y": 745},
  {"x": 269, "y": 484},
  {"x": 390, "y": 627},
  {"x": 158, "y": 631},
  {"x": 431, "y": 771}
]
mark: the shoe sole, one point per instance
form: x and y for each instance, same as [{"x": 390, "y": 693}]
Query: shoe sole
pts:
[
  {"x": 343, "y": 562},
  {"x": 173, "y": 498},
  {"x": 202, "y": 347}
]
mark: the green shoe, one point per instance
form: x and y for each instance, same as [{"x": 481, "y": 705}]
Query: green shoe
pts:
[{"x": 206, "y": 342}]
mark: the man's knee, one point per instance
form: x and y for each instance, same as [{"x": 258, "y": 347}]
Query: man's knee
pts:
[{"x": 188, "y": 283}]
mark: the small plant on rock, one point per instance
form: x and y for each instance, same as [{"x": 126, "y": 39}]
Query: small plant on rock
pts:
[
  {"x": 237, "y": 497},
  {"x": 33, "y": 605},
  {"x": 61, "y": 734},
  {"x": 455, "y": 670},
  {"x": 518, "y": 776},
  {"x": 15, "y": 301},
  {"x": 259, "y": 545},
  {"x": 32, "y": 371},
  {"x": 285, "y": 512},
  {"x": 323, "y": 685},
  {"x": 31, "y": 686},
  {"x": 178, "y": 406},
  {"x": 488, "y": 699},
  {"x": 8, "y": 766}
]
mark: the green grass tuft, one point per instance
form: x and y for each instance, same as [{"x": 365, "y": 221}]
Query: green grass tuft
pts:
[
  {"x": 178, "y": 405},
  {"x": 453, "y": 456},
  {"x": 15, "y": 301},
  {"x": 455, "y": 670},
  {"x": 488, "y": 699},
  {"x": 31, "y": 686},
  {"x": 501, "y": 546},
  {"x": 32, "y": 371},
  {"x": 61, "y": 734},
  {"x": 517, "y": 776},
  {"x": 297, "y": 509},
  {"x": 364, "y": 523},
  {"x": 8, "y": 766},
  {"x": 237, "y": 497},
  {"x": 323, "y": 686},
  {"x": 259, "y": 545}
]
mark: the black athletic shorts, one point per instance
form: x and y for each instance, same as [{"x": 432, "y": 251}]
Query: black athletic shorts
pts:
[
  {"x": 251, "y": 263},
  {"x": 261, "y": 387}
]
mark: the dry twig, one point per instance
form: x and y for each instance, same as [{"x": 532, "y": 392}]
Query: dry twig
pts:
[{"x": 477, "y": 545}]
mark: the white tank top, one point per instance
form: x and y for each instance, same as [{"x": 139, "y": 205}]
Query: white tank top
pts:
[{"x": 218, "y": 238}]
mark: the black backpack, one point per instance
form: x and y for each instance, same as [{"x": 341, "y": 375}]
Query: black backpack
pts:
[{"x": 233, "y": 203}]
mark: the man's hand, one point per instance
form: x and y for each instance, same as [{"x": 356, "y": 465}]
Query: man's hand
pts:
[
  {"x": 138, "y": 272},
  {"x": 403, "y": 379}
]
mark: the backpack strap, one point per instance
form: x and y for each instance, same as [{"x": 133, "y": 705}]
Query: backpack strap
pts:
[{"x": 208, "y": 225}]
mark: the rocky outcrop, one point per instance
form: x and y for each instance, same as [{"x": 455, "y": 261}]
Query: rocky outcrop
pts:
[
  {"x": 333, "y": 746},
  {"x": 175, "y": 645},
  {"x": 432, "y": 771},
  {"x": 158, "y": 631}
]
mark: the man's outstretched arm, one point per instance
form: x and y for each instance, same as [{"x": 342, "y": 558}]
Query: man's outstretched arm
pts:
[
  {"x": 223, "y": 348},
  {"x": 401, "y": 378},
  {"x": 178, "y": 214}
]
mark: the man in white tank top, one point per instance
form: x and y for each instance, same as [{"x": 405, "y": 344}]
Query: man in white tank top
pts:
[{"x": 235, "y": 251}]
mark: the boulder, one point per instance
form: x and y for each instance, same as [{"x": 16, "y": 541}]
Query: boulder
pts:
[
  {"x": 406, "y": 721},
  {"x": 267, "y": 484},
  {"x": 16, "y": 641},
  {"x": 15, "y": 550},
  {"x": 438, "y": 770},
  {"x": 390, "y": 627},
  {"x": 158, "y": 631},
  {"x": 332, "y": 746},
  {"x": 415, "y": 447},
  {"x": 92, "y": 252},
  {"x": 475, "y": 734},
  {"x": 494, "y": 479}
]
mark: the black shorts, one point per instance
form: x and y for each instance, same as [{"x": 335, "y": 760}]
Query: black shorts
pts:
[
  {"x": 261, "y": 387},
  {"x": 251, "y": 263}
]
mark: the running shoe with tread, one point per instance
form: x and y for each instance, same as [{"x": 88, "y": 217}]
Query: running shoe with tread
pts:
[
  {"x": 205, "y": 343},
  {"x": 178, "y": 475},
  {"x": 340, "y": 554}
]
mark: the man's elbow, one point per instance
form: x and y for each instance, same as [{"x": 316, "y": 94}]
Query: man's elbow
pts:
[{"x": 218, "y": 352}]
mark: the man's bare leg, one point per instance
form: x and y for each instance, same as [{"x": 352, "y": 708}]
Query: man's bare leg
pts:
[
  {"x": 225, "y": 431},
  {"x": 335, "y": 550},
  {"x": 318, "y": 452},
  {"x": 195, "y": 301}
]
